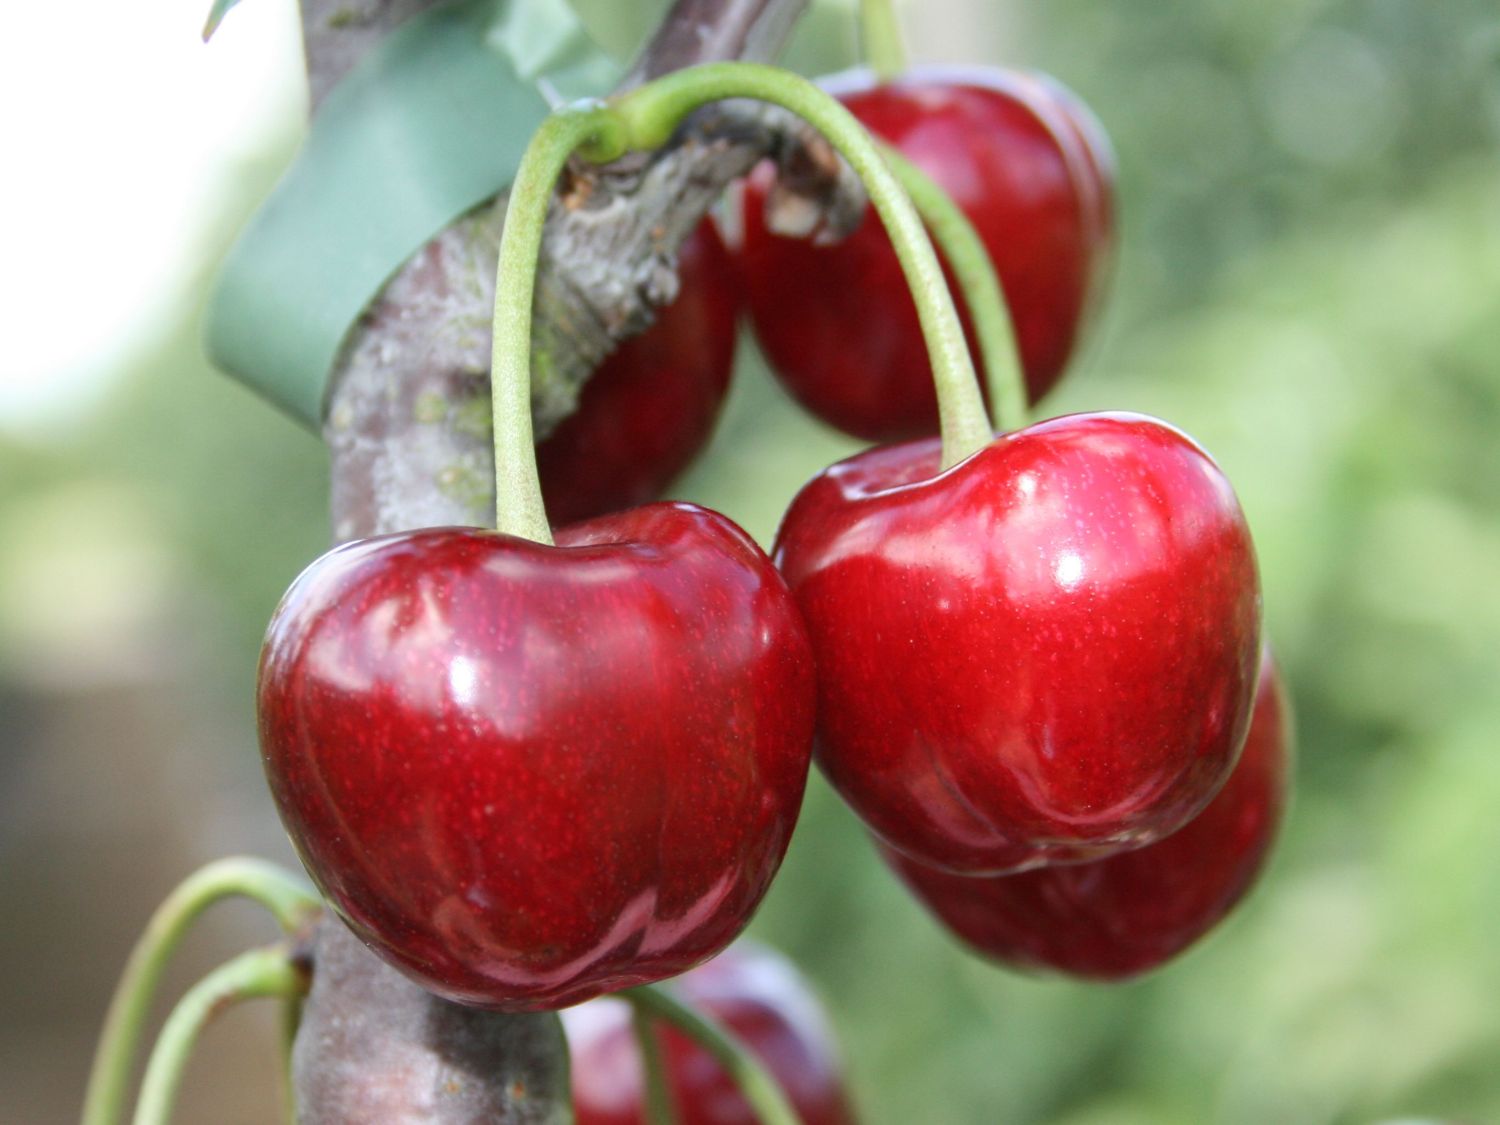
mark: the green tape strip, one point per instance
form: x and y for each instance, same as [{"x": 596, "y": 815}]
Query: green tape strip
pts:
[{"x": 431, "y": 124}]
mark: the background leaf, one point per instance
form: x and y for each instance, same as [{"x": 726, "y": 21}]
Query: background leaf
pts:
[{"x": 430, "y": 125}]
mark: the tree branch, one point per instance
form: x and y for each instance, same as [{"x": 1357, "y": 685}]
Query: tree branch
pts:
[
  {"x": 375, "y": 1047},
  {"x": 407, "y": 420}
]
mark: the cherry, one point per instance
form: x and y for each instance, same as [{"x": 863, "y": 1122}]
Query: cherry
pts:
[
  {"x": 651, "y": 406},
  {"x": 1046, "y": 652},
  {"x": 761, "y": 998},
  {"x": 1033, "y": 171},
  {"x": 528, "y": 774},
  {"x": 1121, "y": 916}
]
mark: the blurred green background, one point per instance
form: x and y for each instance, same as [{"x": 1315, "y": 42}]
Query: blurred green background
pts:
[{"x": 1309, "y": 284}]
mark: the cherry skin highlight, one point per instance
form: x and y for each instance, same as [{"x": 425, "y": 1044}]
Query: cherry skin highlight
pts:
[
  {"x": 754, "y": 992},
  {"x": 1032, "y": 170},
  {"x": 526, "y": 775},
  {"x": 1047, "y": 652},
  {"x": 651, "y": 406},
  {"x": 1122, "y": 916}
]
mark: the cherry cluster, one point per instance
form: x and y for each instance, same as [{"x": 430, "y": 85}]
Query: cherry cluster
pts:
[{"x": 530, "y": 774}]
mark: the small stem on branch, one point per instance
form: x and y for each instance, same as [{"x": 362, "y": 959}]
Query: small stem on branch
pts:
[
  {"x": 659, "y": 1108},
  {"x": 880, "y": 39},
  {"x": 291, "y": 901},
  {"x": 766, "y": 1099},
  {"x": 652, "y": 112},
  {"x": 291, "y": 1020},
  {"x": 260, "y": 972},
  {"x": 518, "y": 491},
  {"x": 983, "y": 294}
]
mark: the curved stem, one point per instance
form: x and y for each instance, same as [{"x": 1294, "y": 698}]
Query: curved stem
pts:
[
  {"x": 518, "y": 491},
  {"x": 291, "y": 901},
  {"x": 261, "y": 972},
  {"x": 659, "y": 1108},
  {"x": 652, "y": 112},
  {"x": 880, "y": 39},
  {"x": 767, "y": 1102},
  {"x": 980, "y": 284}
]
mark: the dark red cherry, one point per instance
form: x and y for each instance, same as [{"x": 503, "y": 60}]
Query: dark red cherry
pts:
[
  {"x": 1046, "y": 652},
  {"x": 651, "y": 406},
  {"x": 526, "y": 775},
  {"x": 762, "y": 999},
  {"x": 1121, "y": 916},
  {"x": 1033, "y": 171}
]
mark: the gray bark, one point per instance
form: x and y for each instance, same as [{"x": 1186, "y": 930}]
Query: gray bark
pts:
[{"x": 374, "y": 1047}]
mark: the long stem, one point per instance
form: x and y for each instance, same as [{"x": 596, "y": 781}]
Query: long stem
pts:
[
  {"x": 880, "y": 39},
  {"x": 659, "y": 1108},
  {"x": 518, "y": 491},
  {"x": 651, "y": 112},
  {"x": 766, "y": 1099},
  {"x": 261, "y": 972},
  {"x": 980, "y": 284},
  {"x": 290, "y": 900}
]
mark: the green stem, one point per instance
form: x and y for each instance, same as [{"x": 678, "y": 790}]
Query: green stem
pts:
[
  {"x": 518, "y": 491},
  {"x": 261, "y": 972},
  {"x": 980, "y": 285},
  {"x": 291, "y": 1020},
  {"x": 880, "y": 39},
  {"x": 766, "y": 1099},
  {"x": 291, "y": 902},
  {"x": 651, "y": 112},
  {"x": 659, "y": 1108}
]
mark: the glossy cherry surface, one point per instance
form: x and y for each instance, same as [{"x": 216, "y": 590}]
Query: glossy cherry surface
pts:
[
  {"x": 529, "y": 774},
  {"x": 761, "y": 998},
  {"x": 1121, "y": 916},
  {"x": 651, "y": 406},
  {"x": 1029, "y": 166},
  {"x": 1048, "y": 651}
]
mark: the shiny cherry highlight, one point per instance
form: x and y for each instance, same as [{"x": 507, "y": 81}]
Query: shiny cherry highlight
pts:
[
  {"x": 526, "y": 774},
  {"x": 1046, "y": 652}
]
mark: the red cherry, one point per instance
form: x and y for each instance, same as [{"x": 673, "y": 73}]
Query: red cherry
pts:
[
  {"x": 651, "y": 406},
  {"x": 1046, "y": 652},
  {"x": 1117, "y": 917},
  {"x": 761, "y": 998},
  {"x": 527, "y": 775},
  {"x": 1033, "y": 171}
]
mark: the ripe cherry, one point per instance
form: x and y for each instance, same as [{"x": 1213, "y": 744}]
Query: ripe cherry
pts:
[
  {"x": 528, "y": 774},
  {"x": 1121, "y": 916},
  {"x": 1033, "y": 171},
  {"x": 760, "y": 997},
  {"x": 651, "y": 406},
  {"x": 1047, "y": 651}
]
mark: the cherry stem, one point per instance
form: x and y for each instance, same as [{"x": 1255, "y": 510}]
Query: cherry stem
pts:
[
  {"x": 980, "y": 284},
  {"x": 651, "y": 112},
  {"x": 291, "y": 901},
  {"x": 518, "y": 491},
  {"x": 880, "y": 39},
  {"x": 291, "y": 1021},
  {"x": 260, "y": 972},
  {"x": 659, "y": 1108},
  {"x": 767, "y": 1102}
]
